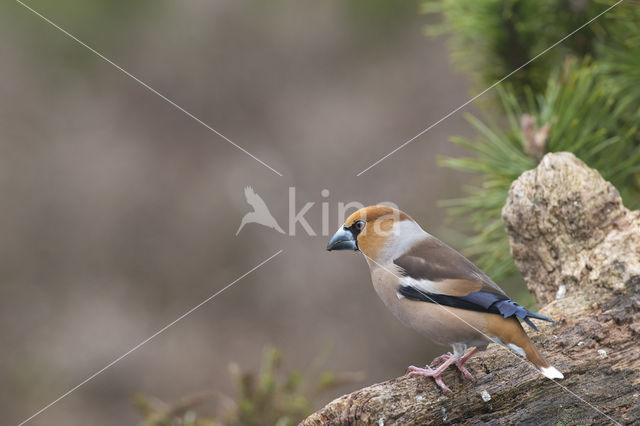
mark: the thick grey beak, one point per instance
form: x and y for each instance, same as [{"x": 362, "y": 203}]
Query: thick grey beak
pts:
[{"x": 342, "y": 240}]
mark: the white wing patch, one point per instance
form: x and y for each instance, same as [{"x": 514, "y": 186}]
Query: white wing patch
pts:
[
  {"x": 517, "y": 349},
  {"x": 423, "y": 286}
]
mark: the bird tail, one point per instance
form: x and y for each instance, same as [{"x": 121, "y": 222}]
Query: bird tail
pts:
[
  {"x": 551, "y": 372},
  {"x": 536, "y": 316},
  {"x": 517, "y": 340}
]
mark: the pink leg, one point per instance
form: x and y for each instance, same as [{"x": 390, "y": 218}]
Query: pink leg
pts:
[
  {"x": 460, "y": 364},
  {"x": 435, "y": 373},
  {"x": 441, "y": 358},
  {"x": 448, "y": 359}
]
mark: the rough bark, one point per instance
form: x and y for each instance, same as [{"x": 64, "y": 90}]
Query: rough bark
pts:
[{"x": 578, "y": 249}]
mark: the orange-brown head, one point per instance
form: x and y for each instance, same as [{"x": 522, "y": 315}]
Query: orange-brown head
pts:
[{"x": 370, "y": 229}]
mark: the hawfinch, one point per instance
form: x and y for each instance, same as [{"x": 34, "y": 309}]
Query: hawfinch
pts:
[{"x": 436, "y": 291}]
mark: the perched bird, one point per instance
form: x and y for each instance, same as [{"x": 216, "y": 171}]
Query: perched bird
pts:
[
  {"x": 260, "y": 213},
  {"x": 433, "y": 289}
]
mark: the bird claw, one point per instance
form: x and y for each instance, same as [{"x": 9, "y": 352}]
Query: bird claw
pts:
[
  {"x": 458, "y": 361},
  {"x": 446, "y": 359},
  {"x": 417, "y": 371},
  {"x": 460, "y": 364},
  {"x": 464, "y": 371},
  {"x": 429, "y": 372}
]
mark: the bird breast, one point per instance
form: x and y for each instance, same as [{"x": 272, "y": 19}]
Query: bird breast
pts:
[{"x": 442, "y": 325}]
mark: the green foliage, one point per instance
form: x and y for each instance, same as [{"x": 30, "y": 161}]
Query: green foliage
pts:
[
  {"x": 583, "y": 119},
  {"x": 491, "y": 38},
  {"x": 269, "y": 397},
  {"x": 267, "y": 400},
  {"x": 620, "y": 57},
  {"x": 588, "y": 106}
]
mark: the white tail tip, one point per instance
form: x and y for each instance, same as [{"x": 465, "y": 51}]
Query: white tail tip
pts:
[{"x": 551, "y": 372}]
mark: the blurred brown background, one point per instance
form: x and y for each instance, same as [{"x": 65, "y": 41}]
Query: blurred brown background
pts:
[{"x": 119, "y": 212}]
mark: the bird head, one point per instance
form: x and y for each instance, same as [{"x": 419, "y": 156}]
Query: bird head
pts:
[{"x": 375, "y": 231}]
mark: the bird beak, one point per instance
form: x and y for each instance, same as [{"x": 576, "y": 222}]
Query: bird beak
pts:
[{"x": 343, "y": 240}]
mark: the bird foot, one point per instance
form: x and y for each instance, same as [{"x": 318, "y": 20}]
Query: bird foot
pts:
[
  {"x": 441, "y": 358},
  {"x": 464, "y": 371},
  {"x": 446, "y": 360},
  {"x": 460, "y": 364},
  {"x": 458, "y": 361},
  {"x": 429, "y": 372}
]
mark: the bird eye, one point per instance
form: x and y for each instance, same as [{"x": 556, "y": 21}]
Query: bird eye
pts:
[{"x": 359, "y": 225}]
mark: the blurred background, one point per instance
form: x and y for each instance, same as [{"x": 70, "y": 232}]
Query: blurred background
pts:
[{"x": 119, "y": 212}]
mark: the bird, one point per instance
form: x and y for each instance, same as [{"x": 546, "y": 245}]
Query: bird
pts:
[
  {"x": 260, "y": 213},
  {"x": 433, "y": 289}
]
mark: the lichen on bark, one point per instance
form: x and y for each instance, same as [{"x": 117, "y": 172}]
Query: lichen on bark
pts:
[{"x": 567, "y": 226}]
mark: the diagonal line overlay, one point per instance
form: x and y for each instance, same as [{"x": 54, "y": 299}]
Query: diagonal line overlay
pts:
[
  {"x": 145, "y": 85},
  {"x": 160, "y": 331},
  {"x": 489, "y": 88},
  {"x": 190, "y": 115}
]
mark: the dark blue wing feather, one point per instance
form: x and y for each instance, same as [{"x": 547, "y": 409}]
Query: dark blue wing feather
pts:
[{"x": 480, "y": 301}]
